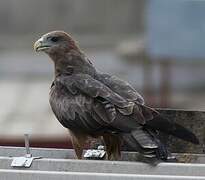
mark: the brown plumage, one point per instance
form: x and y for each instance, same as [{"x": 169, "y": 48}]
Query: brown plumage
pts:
[{"x": 90, "y": 103}]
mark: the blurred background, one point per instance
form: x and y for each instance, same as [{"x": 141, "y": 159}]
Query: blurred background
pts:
[{"x": 156, "y": 45}]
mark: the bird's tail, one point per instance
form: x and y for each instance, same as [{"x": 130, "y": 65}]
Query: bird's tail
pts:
[
  {"x": 147, "y": 143},
  {"x": 164, "y": 125}
]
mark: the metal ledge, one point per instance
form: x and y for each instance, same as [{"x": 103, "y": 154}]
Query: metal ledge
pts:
[
  {"x": 42, "y": 175},
  {"x": 117, "y": 167},
  {"x": 59, "y": 164},
  {"x": 52, "y": 153},
  {"x": 63, "y": 160}
]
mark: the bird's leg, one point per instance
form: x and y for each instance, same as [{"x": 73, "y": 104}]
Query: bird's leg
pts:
[
  {"x": 113, "y": 144},
  {"x": 78, "y": 141}
]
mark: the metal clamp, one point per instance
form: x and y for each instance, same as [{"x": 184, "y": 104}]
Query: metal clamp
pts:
[{"x": 24, "y": 161}]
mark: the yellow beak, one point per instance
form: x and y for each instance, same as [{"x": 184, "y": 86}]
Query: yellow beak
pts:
[
  {"x": 39, "y": 45},
  {"x": 36, "y": 45}
]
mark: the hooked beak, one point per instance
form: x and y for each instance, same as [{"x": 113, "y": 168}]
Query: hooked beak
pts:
[{"x": 40, "y": 45}]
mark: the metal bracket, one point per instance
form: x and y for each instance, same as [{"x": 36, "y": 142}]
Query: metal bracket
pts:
[
  {"x": 24, "y": 161},
  {"x": 98, "y": 153}
]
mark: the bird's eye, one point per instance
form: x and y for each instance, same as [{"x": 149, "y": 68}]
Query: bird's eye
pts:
[{"x": 54, "y": 39}]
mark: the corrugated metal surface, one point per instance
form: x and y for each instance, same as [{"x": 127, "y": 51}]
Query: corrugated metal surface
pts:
[
  {"x": 59, "y": 164},
  {"x": 42, "y": 175}
]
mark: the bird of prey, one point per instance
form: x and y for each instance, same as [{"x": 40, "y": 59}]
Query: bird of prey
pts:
[{"x": 94, "y": 104}]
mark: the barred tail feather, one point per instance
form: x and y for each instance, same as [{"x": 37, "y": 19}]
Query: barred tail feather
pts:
[{"x": 148, "y": 145}]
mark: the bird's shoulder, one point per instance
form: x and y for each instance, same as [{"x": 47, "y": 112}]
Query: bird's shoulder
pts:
[
  {"x": 121, "y": 87},
  {"x": 64, "y": 83}
]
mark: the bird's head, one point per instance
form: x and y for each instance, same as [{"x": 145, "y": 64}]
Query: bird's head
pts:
[
  {"x": 64, "y": 52},
  {"x": 54, "y": 42}
]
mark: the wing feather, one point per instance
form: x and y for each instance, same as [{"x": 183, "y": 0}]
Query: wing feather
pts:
[
  {"x": 123, "y": 88},
  {"x": 94, "y": 88},
  {"x": 91, "y": 93}
]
